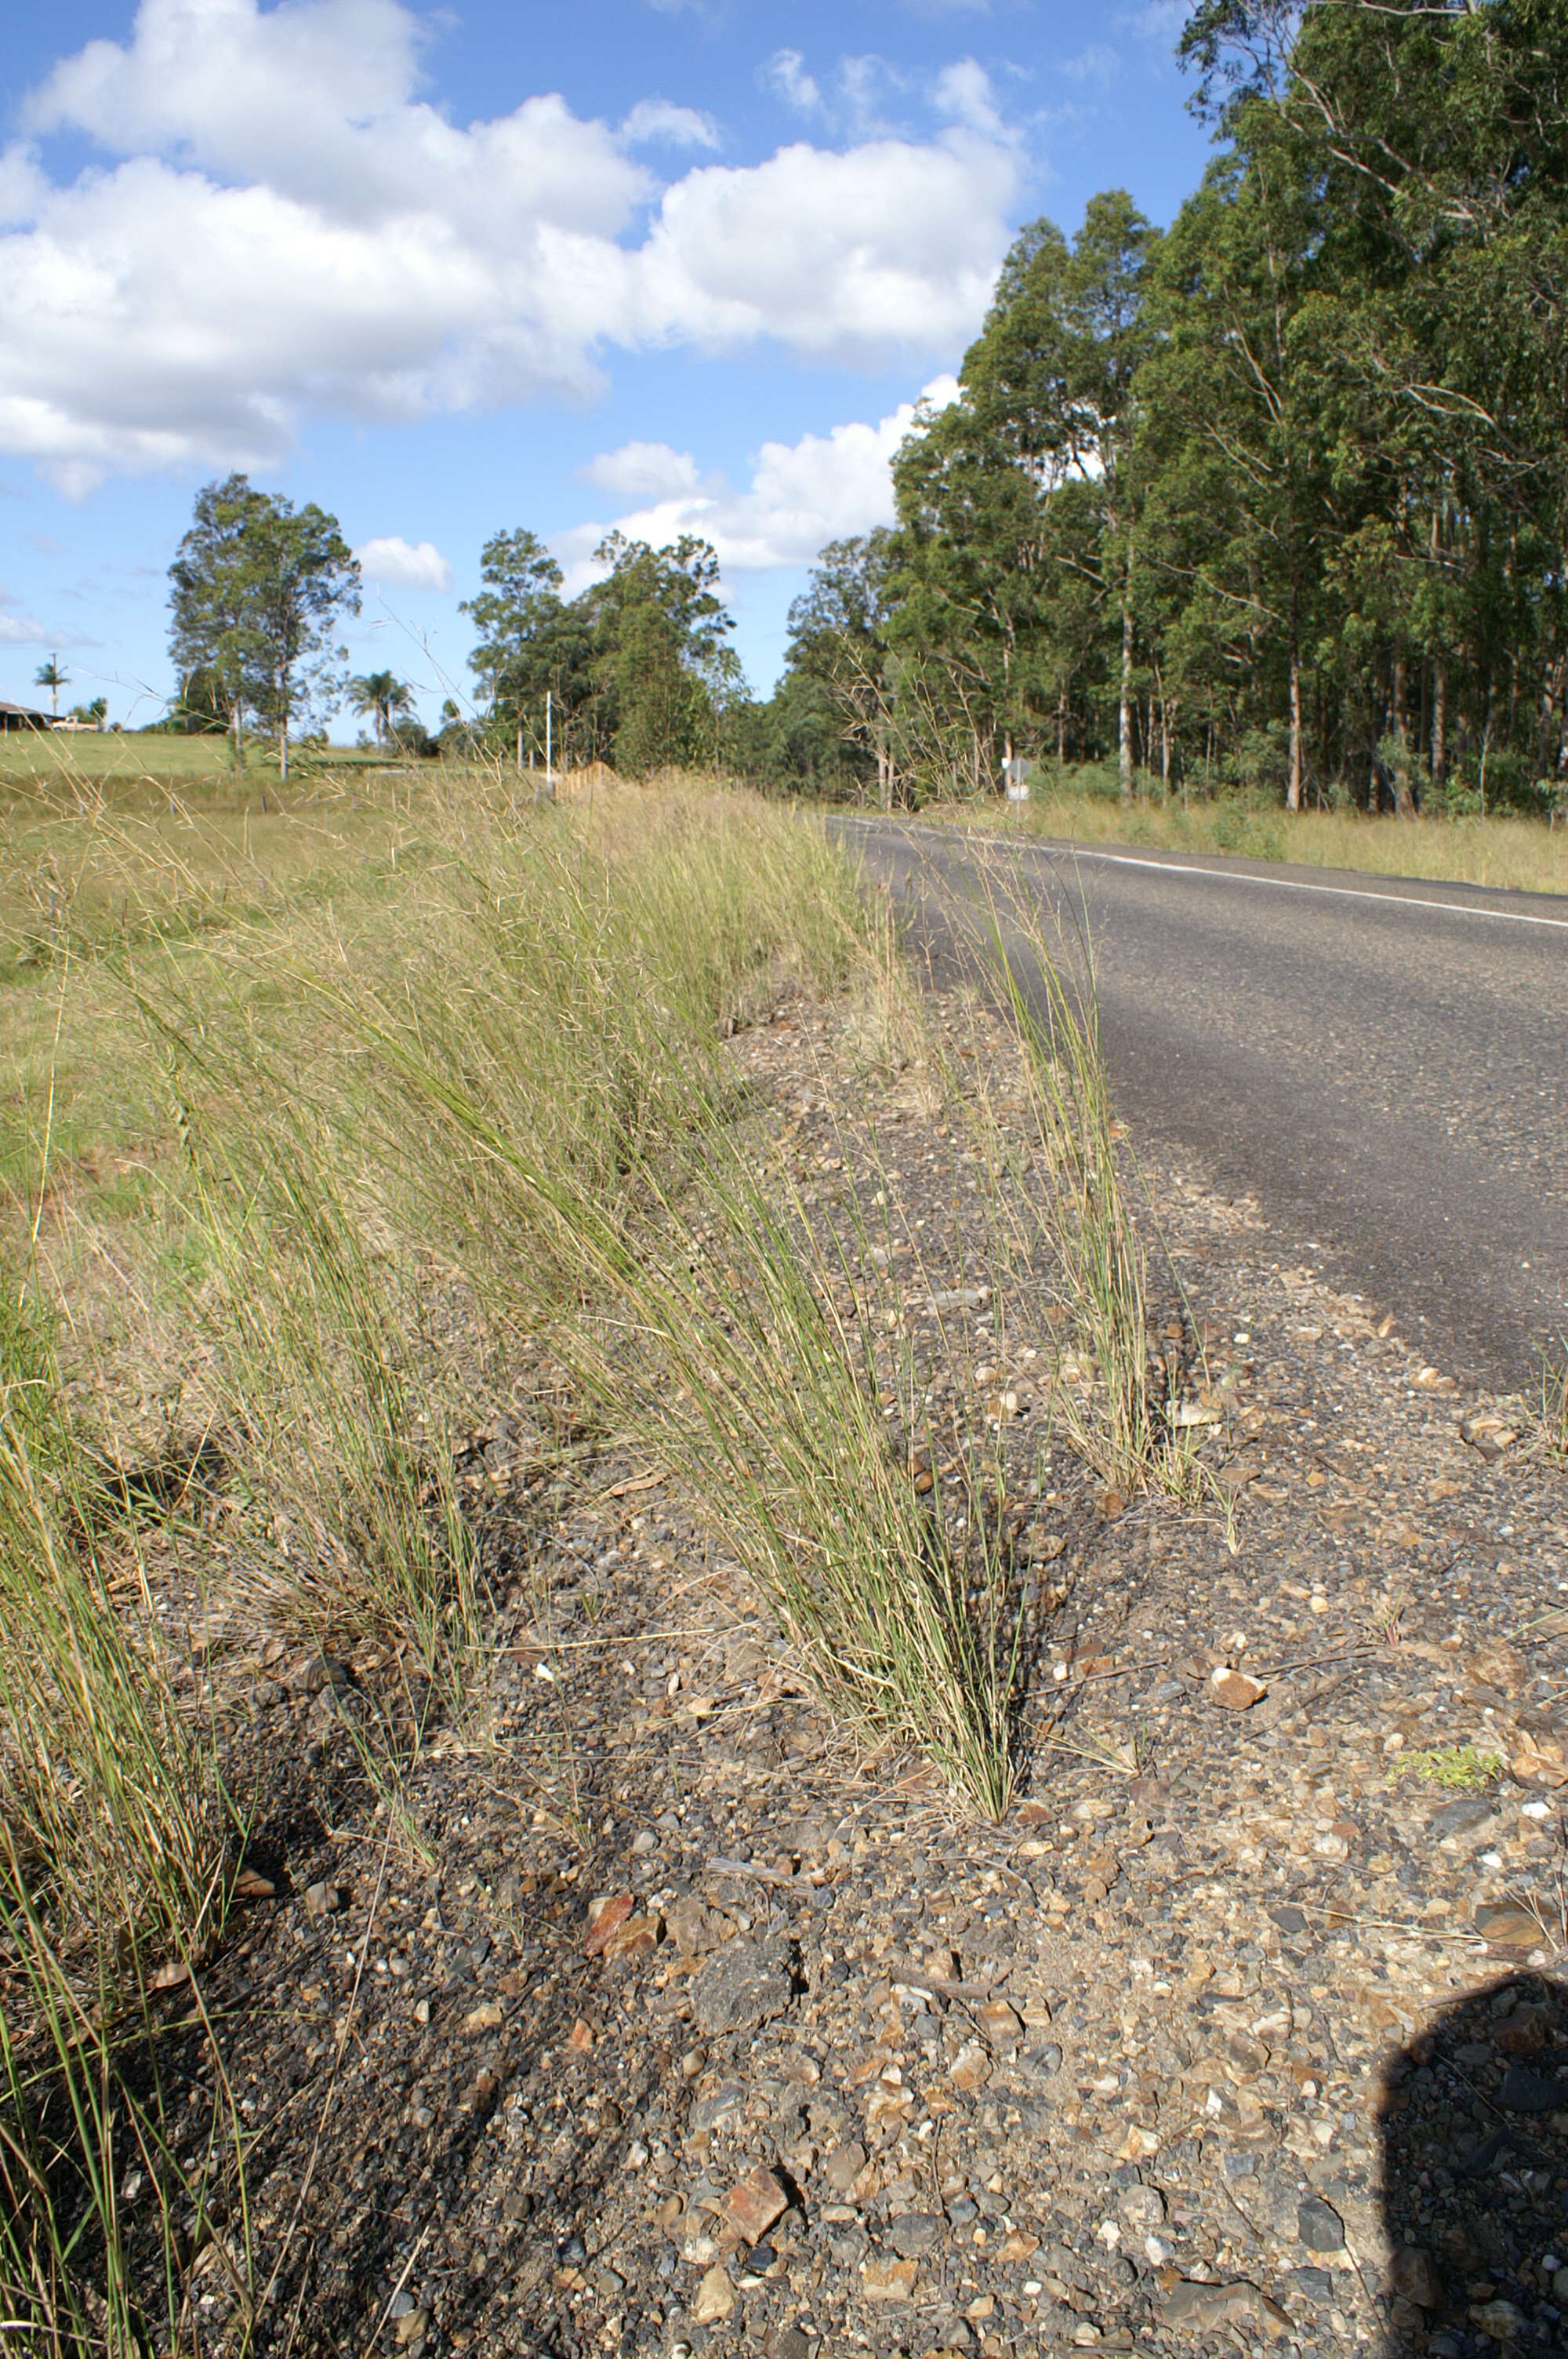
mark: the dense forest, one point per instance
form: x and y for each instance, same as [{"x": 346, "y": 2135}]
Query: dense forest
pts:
[{"x": 1276, "y": 500}]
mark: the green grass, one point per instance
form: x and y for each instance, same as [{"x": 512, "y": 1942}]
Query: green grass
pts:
[
  {"x": 1522, "y": 854},
  {"x": 1456, "y": 1768},
  {"x": 470, "y": 1044}
]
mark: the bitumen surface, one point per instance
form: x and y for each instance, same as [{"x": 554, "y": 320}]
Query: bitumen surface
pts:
[{"x": 1382, "y": 1064}]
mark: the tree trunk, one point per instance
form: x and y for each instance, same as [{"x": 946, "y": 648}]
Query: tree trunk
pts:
[
  {"x": 1124, "y": 747},
  {"x": 1439, "y": 722},
  {"x": 1061, "y": 729},
  {"x": 1293, "y": 784},
  {"x": 1404, "y": 801}
]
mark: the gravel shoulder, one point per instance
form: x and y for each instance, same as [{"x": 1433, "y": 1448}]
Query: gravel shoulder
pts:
[{"x": 647, "y": 2016}]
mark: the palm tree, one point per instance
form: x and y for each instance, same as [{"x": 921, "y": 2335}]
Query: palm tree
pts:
[
  {"x": 380, "y": 694},
  {"x": 50, "y": 676}
]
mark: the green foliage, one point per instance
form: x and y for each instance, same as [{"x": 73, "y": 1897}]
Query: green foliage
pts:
[
  {"x": 258, "y": 590},
  {"x": 1274, "y": 504},
  {"x": 636, "y": 670},
  {"x": 1458, "y": 1768},
  {"x": 384, "y": 697}
]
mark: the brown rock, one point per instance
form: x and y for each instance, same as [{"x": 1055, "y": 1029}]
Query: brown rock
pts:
[
  {"x": 1501, "y": 2319},
  {"x": 1503, "y": 1926},
  {"x": 844, "y": 2166},
  {"x": 1205, "y": 2308},
  {"x": 693, "y": 1926},
  {"x": 1414, "y": 2274},
  {"x": 580, "y": 2039},
  {"x": 1526, "y": 2031},
  {"x": 887, "y": 2280},
  {"x": 1235, "y": 1690},
  {"x": 1542, "y": 1760},
  {"x": 632, "y": 1938},
  {"x": 412, "y": 2325},
  {"x": 970, "y": 2069},
  {"x": 715, "y": 2297},
  {"x": 1499, "y": 1666},
  {"x": 1002, "y": 2028},
  {"x": 486, "y": 2016},
  {"x": 753, "y": 2204},
  {"x": 604, "y": 1916}
]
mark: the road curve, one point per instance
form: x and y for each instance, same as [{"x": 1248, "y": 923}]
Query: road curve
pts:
[{"x": 1382, "y": 1064}]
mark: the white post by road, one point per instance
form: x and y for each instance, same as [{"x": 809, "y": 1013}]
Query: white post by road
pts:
[{"x": 549, "y": 761}]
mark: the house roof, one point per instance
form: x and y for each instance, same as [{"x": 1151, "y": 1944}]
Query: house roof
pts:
[{"x": 28, "y": 712}]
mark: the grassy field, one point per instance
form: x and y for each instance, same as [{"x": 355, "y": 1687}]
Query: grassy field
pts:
[
  {"x": 61, "y": 763},
  {"x": 1523, "y": 854}
]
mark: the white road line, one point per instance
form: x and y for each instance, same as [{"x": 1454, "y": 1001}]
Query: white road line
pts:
[
  {"x": 1298, "y": 885},
  {"x": 1276, "y": 883}
]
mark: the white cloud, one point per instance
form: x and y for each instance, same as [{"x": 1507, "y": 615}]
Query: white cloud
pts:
[
  {"x": 395, "y": 563},
  {"x": 677, "y": 126},
  {"x": 290, "y": 227},
  {"x": 800, "y": 495},
  {"x": 786, "y": 73},
  {"x": 1099, "y": 62},
  {"x": 17, "y": 630},
  {"x": 643, "y": 471},
  {"x": 963, "y": 93}
]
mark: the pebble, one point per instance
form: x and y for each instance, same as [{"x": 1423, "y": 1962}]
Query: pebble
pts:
[
  {"x": 741, "y": 1988},
  {"x": 1320, "y": 2227},
  {"x": 1236, "y": 1690},
  {"x": 715, "y": 2297},
  {"x": 1204, "y": 2309},
  {"x": 887, "y": 2280},
  {"x": 1414, "y": 2274},
  {"x": 754, "y": 2204}
]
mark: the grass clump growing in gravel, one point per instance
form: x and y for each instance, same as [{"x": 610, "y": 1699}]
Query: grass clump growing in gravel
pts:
[
  {"x": 1554, "y": 1422},
  {"x": 109, "y": 2236},
  {"x": 754, "y": 1384},
  {"x": 744, "y": 1355},
  {"x": 110, "y": 1797},
  {"x": 1066, "y": 1206},
  {"x": 1456, "y": 1768}
]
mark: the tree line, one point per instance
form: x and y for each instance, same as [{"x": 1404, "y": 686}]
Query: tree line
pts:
[
  {"x": 1274, "y": 500},
  {"x": 637, "y": 670},
  {"x": 1277, "y": 499}
]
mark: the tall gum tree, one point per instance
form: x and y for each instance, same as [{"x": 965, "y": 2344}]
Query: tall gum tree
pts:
[
  {"x": 1048, "y": 395},
  {"x": 258, "y": 590}
]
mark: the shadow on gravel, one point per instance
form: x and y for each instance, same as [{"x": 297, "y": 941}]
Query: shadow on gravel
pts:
[{"x": 1474, "y": 2116}]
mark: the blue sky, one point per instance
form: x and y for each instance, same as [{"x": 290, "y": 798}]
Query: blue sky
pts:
[{"x": 675, "y": 264}]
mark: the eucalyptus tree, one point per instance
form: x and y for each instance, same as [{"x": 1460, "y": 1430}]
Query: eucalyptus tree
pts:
[
  {"x": 258, "y": 591},
  {"x": 1048, "y": 395}
]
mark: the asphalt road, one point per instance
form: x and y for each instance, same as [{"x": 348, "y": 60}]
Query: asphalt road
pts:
[{"x": 1382, "y": 1064}]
